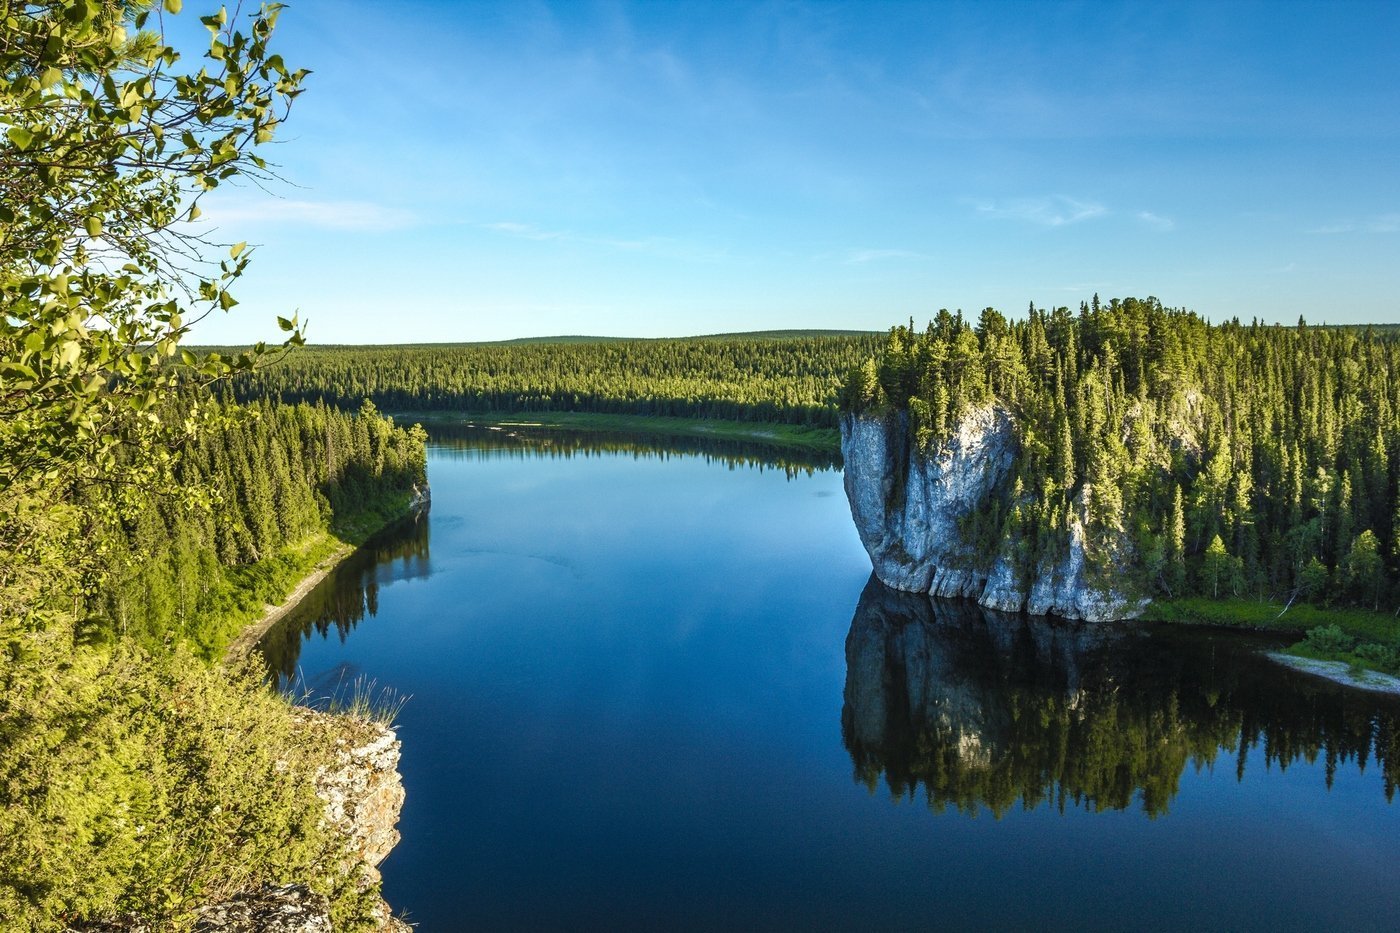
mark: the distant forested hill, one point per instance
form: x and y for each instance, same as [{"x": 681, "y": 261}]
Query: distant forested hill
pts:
[
  {"x": 790, "y": 376},
  {"x": 1229, "y": 459}
]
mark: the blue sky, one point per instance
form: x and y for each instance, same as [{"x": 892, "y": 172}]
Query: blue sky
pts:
[{"x": 477, "y": 171}]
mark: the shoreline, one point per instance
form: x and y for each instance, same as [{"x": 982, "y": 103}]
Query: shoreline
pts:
[
  {"x": 242, "y": 644},
  {"x": 1339, "y": 672},
  {"x": 768, "y": 434},
  {"x": 248, "y": 637}
]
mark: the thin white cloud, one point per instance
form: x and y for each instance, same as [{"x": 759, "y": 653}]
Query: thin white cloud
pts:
[
  {"x": 1053, "y": 211},
  {"x": 1380, "y": 223},
  {"x": 861, "y": 256},
  {"x": 332, "y": 215},
  {"x": 1156, "y": 221},
  {"x": 527, "y": 231},
  {"x": 663, "y": 246}
]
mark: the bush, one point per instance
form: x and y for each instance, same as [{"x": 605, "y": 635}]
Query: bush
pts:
[
  {"x": 1380, "y": 657},
  {"x": 1329, "y": 639},
  {"x": 151, "y": 786}
]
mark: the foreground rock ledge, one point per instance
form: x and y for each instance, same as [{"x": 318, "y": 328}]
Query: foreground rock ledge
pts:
[{"x": 363, "y": 792}]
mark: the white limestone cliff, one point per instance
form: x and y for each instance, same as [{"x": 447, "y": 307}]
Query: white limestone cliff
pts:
[{"x": 908, "y": 503}]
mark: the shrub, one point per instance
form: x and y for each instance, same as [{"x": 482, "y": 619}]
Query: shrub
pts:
[{"x": 1329, "y": 639}]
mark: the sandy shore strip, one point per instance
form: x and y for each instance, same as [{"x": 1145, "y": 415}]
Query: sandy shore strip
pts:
[
  {"x": 1340, "y": 672},
  {"x": 243, "y": 645}
]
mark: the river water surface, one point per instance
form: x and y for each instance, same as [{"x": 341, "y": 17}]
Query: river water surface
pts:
[{"x": 656, "y": 689}]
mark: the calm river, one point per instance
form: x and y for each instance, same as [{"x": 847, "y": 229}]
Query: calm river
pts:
[{"x": 656, "y": 689}]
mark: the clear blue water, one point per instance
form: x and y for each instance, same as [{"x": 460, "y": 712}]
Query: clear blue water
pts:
[{"x": 657, "y": 690}]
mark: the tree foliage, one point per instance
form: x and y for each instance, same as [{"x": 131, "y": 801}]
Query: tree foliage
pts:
[
  {"x": 1233, "y": 459},
  {"x": 792, "y": 379},
  {"x": 136, "y": 781},
  {"x": 105, "y": 149}
]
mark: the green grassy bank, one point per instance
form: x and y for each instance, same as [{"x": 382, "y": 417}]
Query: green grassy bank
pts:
[
  {"x": 1358, "y": 637},
  {"x": 789, "y": 436},
  {"x": 241, "y": 597}
]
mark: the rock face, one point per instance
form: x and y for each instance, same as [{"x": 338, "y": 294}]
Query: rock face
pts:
[
  {"x": 363, "y": 793},
  {"x": 908, "y": 505}
]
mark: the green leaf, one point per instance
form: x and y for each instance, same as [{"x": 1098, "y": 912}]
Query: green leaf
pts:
[
  {"x": 237, "y": 249},
  {"x": 68, "y": 353},
  {"x": 172, "y": 6},
  {"x": 286, "y": 324},
  {"x": 226, "y": 300},
  {"x": 94, "y": 226},
  {"x": 20, "y": 136}
]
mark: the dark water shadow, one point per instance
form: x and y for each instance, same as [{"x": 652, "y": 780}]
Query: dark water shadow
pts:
[{"x": 981, "y": 709}]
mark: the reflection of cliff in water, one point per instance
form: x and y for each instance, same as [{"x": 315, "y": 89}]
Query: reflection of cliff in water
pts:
[
  {"x": 350, "y": 593},
  {"x": 524, "y": 441},
  {"x": 988, "y": 709}
]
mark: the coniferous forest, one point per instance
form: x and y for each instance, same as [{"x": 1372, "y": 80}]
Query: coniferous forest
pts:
[
  {"x": 274, "y": 478},
  {"x": 789, "y": 378},
  {"x": 1231, "y": 460},
  {"x": 163, "y": 504}
]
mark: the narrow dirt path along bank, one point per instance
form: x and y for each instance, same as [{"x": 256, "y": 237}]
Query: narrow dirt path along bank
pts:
[{"x": 242, "y": 646}]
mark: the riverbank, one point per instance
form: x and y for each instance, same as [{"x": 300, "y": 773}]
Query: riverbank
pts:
[
  {"x": 1340, "y": 672},
  {"x": 1333, "y": 657},
  {"x": 331, "y": 549},
  {"x": 788, "y": 436},
  {"x": 242, "y": 645}
]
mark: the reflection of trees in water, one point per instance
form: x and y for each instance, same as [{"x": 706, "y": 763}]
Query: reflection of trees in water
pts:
[
  {"x": 349, "y": 594},
  {"x": 988, "y": 709},
  {"x": 525, "y": 442}
]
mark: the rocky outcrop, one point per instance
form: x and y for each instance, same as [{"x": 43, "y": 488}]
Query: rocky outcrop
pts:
[
  {"x": 288, "y": 908},
  {"x": 363, "y": 794},
  {"x": 910, "y": 504}
]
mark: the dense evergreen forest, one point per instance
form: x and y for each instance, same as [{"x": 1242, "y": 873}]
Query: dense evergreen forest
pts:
[
  {"x": 141, "y": 522},
  {"x": 791, "y": 379},
  {"x": 1216, "y": 460},
  {"x": 278, "y": 477},
  {"x": 135, "y": 775}
]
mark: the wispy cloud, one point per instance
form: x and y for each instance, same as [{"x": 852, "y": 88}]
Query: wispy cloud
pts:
[
  {"x": 1156, "y": 221},
  {"x": 1385, "y": 223},
  {"x": 663, "y": 246},
  {"x": 527, "y": 231},
  {"x": 1380, "y": 223},
  {"x": 861, "y": 256},
  {"x": 332, "y": 215},
  {"x": 1053, "y": 211}
]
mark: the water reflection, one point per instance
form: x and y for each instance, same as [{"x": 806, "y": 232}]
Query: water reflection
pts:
[
  {"x": 985, "y": 709},
  {"x": 350, "y": 594},
  {"x": 523, "y": 441}
]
